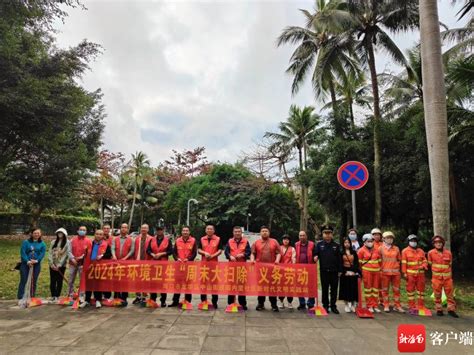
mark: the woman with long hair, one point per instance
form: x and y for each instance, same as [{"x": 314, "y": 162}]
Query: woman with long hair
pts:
[
  {"x": 350, "y": 273},
  {"x": 32, "y": 251},
  {"x": 58, "y": 256}
]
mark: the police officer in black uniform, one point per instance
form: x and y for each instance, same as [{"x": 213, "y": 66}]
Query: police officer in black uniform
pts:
[{"x": 330, "y": 267}]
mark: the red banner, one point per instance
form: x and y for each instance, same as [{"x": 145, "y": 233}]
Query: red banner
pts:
[{"x": 236, "y": 278}]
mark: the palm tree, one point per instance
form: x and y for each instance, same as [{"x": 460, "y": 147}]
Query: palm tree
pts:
[
  {"x": 323, "y": 49},
  {"x": 137, "y": 170},
  {"x": 434, "y": 102},
  {"x": 370, "y": 22},
  {"x": 298, "y": 132}
]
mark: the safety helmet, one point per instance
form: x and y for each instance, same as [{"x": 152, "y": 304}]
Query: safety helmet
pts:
[
  {"x": 412, "y": 237},
  {"x": 367, "y": 237},
  {"x": 388, "y": 234},
  {"x": 436, "y": 238},
  {"x": 376, "y": 230}
]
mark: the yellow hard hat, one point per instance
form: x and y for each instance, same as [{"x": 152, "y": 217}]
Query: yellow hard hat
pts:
[{"x": 388, "y": 234}]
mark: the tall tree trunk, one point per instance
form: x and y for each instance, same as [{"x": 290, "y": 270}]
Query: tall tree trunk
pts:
[
  {"x": 112, "y": 218},
  {"x": 351, "y": 113},
  {"x": 436, "y": 123},
  {"x": 303, "y": 193},
  {"x": 133, "y": 206},
  {"x": 377, "y": 118}
]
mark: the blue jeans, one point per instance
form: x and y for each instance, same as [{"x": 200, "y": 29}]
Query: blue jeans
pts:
[
  {"x": 24, "y": 270},
  {"x": 310, "y": 302}
]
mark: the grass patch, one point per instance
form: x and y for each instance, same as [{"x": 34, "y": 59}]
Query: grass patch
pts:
[{"x": 10, "y": 255}]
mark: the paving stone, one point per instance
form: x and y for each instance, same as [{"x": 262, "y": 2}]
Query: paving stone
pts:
[
  {"x": 181, "y": 342},
  {"x": 227, "y": 330},
  {"x": 224, "y": 344},
  {"x": 266, "y": 345},
  {"x": 191, "y": 329}
]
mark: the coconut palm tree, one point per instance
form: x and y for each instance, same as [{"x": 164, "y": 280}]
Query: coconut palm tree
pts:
[
  {"x": 138, "y": 167},
  {"x": 371, "y": 22},
  {"x": 298, "y": 132}
]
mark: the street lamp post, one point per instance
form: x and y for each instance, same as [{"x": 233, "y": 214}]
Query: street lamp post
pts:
[
  {"x": 189, "y": 206},
  {"x": 248, "y": 216}
]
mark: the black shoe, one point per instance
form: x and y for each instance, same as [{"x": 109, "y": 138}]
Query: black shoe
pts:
[
  {"x": 327, "y": 309},
  {"x": 137, "y": 300},
  {"x": 275, "y": 309},
  {"x": 174, "y": 304},
  {"x": 244, "y": 308},
  {"x": 301, "y": 308},
  {"x": 163, "y": 304},
  {"x": 453, "y": 314},
  {"x": 215, "y": 305},
  {"x": 439, "y": 313},
  {"x": 334, "y": 310},
  {"x": 260, "y": 307}
]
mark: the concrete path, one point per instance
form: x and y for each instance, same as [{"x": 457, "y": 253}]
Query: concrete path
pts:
[{"x": 54, "y": 329}]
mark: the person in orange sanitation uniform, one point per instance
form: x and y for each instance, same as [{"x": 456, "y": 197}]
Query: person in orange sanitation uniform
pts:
[
  {"x": 440, "y": 260},
  {"x": 391, "y": 257},
  {"x": 95, "y": 253},
  {"x": 141, "y": 245},
  {"x": 159, "y": 248},
  {"x": 185, "y": 249},
  {"x": 79, "y": 246},
  {"x": 210, "y": 248},
  {"x": 288, "y": 256},
  {"x": 305, "y": 254},
  {"x": 237, "y": 250},
  {"x": 414, "y": 264},
  {"x": 123, "y": 248},
  {"x": 377, "y": 234},
  {"x": 266, "y": 250},
  {"x": 369, "y": 261}
]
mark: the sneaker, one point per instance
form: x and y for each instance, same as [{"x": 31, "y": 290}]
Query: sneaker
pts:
[
  {"x": 334, "y": 310},
  {"x": 327, "y": 309},
  {"x": 275, "y": 309},
  {"x": 281, "y": 304},
  {"x": 97, "y": 304},
  {"x": 399, "y": 309},
  {"x": 377, "y": 310},
  {"x": 260, "y": 307},
  {"x": 83, "y": 304},
  {"x": 163, "y": 304},
  {"x": 301, "y": 307},
  {"x": 453, "y": 314},
  {"x": 353, "y": 308},
  {"x": 439, "y": 313},
  {"x": 386, "y": 309},
  {"x": 371, "y": 309},
  {"x": 347, "y": 308},
  {"x": 137, "y": 300},
  {"x": 290, "y": 305}
]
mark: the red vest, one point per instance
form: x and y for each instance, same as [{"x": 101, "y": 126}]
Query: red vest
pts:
[
  {"x": 109, "y": 240},
  {"x": 138, "y": 239},
  {"x": 211, "y": 247},
  {"x": 287, "y": 258},
  {"x": 127, "y": 245},
  {"x": 102, "y": 249},
  {"x": 273, "y": 248},
  {"x": 155, "y": 249},
  {"x": 185, "y": 249},
  {"x": 236, "y": 249},
  {"x": 80, "y": 245},
  {"x": 310, "y": 246}
]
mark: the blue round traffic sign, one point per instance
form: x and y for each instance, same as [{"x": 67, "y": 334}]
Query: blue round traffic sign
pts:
[{"x": 352, "y": 175}]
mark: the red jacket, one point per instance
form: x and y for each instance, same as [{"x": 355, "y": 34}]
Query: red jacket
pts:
[
  {"x": 257, "y": 249},
  {"x": 310, "y": 245},
  {"x": 287, "y": 258}
]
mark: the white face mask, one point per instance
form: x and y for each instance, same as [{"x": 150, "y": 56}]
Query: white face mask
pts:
[
  {"x": 353, "y": 236},
  {"x": 413, "y": 244},
  {"x": 388, "y": 241},
  {"x": 369, "y": 244}
]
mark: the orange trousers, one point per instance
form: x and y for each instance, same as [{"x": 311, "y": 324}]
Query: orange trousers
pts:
[
  {"x": 438, "y": 285},
  {"x": 393, "y": 280},
  {"x": 371, "y": 287},
  {"x": 380, "y": 286},
  {"x": 416, "y": 290}
]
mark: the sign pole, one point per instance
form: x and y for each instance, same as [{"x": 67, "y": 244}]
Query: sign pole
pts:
[{"x": 354, "y": 212}]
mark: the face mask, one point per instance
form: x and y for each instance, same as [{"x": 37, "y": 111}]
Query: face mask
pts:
[
  {"x": 388, "y": 241},
  {"x": 369, "y": 244},
  {"x": 413, "y": 244},
  {"x": 81, "y": 233},
  {"x": 353, "y": 237}
]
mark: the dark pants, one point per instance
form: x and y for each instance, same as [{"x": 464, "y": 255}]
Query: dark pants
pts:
[
  {"x": 122, "y": 295},
  {"x": 329, "y": 279},
  {"x": 107, "y": 294},
  {"x": 97, "y": 296},
  {"x": 290, "y": 299},
  {"x": 310, "y": 302},
  {"x": 188, "y": 297},
  {"x": 242, "y": 300},
  {"x": 153, "y": 296},
  {"x": 273, "y": 300},
  {"x": 56, "y": 281},
  {"x": 24, "y": 270},
  {"x": 215, "y": 298}
]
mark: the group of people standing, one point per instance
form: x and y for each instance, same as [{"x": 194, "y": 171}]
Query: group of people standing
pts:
[{"x": 376, "y": 259}]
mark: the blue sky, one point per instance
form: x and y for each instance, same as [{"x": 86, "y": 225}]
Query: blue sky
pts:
[{"x": 182, "y": 74}]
